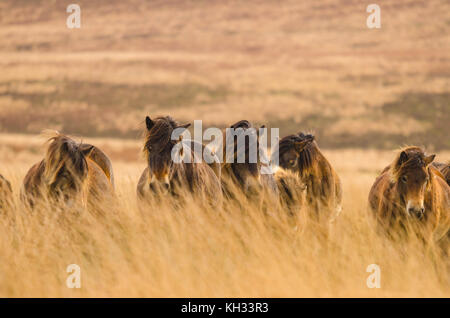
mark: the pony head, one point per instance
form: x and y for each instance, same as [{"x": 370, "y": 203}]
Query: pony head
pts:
[
  {"x": 411, "y": 176},
  {"x": 65, "y": 169},
  {"x": 243, "y": 158},
  {"x": 158, "y": 149},
  {"x": 296, "y": 151}
]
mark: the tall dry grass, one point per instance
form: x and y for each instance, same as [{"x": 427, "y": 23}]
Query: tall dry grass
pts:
[{"x": 235, "y": 251}]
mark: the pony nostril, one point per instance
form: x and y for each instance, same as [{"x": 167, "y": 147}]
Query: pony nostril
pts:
[
  {"x": 157, "y": 187},
  {"x": 416, "y": 212}
]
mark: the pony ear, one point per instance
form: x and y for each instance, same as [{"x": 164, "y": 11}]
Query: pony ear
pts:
[
  {"x": 184, "y": 125},
  {"x": 4, "y": 181},
  {"x": 86, "y": 149},
  {"x": 149, "y": 123},
  {"x": 300, "y": 145},
  {"x": 65, "y": 147},
  {"x": 403, "y": 158},
  {"x": 429, "y": 159},
  {"x": 261, "y": 133}
]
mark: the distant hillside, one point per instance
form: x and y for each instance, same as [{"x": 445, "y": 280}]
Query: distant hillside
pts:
[{"x": 295, "y": 65}]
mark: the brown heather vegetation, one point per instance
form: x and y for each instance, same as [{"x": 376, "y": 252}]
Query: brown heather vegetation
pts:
[
  {"x": 297, "y": 65},
  {"x": 290, "y": 64}
]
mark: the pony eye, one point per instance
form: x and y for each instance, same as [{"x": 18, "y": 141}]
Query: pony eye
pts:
[
  {"x": 404, "y": 179},
  {"x": 291, "y": 162}
]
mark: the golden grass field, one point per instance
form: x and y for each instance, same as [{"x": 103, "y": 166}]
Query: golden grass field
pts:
[
  {"x": 296, "y": 65},
  {"x": 196, "y": 252}
]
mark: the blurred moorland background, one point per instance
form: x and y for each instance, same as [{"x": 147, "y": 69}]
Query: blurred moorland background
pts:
[{"x": 296, "y": 65}]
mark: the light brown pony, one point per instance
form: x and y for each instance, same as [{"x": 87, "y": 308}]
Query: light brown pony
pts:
[
  {"x": 412, "y": 192},
  {"x": 444, "y": 168},
  {"x": 163, "y": 175},
  {"x": 246, "y": 175},
  {"x": 5, "y": 193},
  {"x": 300, "y": 153},
  {"x": 69, "y": 175},
  {"x": 100, "y": 158}
]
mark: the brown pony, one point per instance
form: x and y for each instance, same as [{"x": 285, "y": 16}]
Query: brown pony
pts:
[
  {"x": 411, "y": 191},
  {"x": 301, "y": 154},
  {"x": 245, "y": 175},
  {"x": 292, "y": 191},
  {"x": 163, "y": 175},
  {"x": 100, "y": 158},
  {"x": 5, "y": 193},
  {"x": 444, "y": 168},
  {"x": 68, "y": 174}
]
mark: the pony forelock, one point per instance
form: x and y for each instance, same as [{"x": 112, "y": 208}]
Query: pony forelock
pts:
[{"x": 63, "y": 152}]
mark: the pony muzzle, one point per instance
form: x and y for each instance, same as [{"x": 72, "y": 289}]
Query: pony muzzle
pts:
[
  {"x": 415, "y": 209},
  {"x": 160, "y": 185}
]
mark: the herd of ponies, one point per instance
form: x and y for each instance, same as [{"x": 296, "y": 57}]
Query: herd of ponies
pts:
[{"x": 413, "y": 190}]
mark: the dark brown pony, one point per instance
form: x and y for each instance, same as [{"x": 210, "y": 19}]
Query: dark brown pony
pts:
[
  {"x": 444, "y": 168},
  {"x": 245, "y": 175},
  {"x": 300, "y": 153},
  {"x": 163, "y": 175},
  {"x": 5, "y": 193},
  {"x": 68, "y": 175},
  {"x": 411, "y": 191}
]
